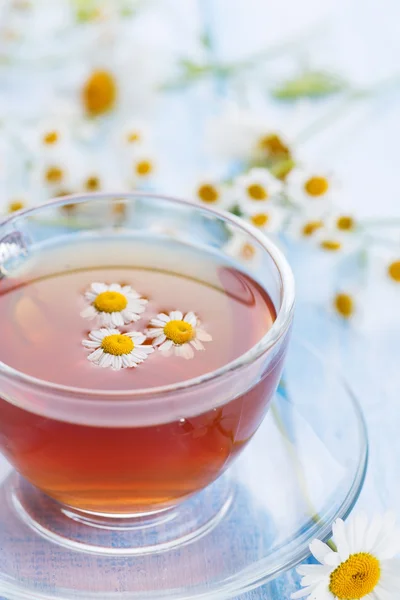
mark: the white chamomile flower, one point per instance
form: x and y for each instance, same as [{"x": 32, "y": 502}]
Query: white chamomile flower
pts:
[
  {"x": 311, "y": 189},
  {"x": 343, "y": 222},
  {"x": 362, "y": 568},
  {"x": 111, "y": 348},
  {"x": 178, "y": 333},
  {"x": 45, "y": 137},
  {"x": 270, "y": 219},
  {"x": 209, "y": 192},
  {"x": 304, "y": 227},
  {"x": 142, "y": 166},
  {"x": 116, "y": 305},
  {"x": 254, "y": 189},
  {"x": 334, "y": 240},
  {"x": 15, "y": 199},
  {"x": 132, "y": 134},
  {"x": 55, "y": 171}
]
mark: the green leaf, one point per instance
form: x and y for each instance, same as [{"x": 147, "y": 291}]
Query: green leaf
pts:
[{"x": 310, "y": 84}]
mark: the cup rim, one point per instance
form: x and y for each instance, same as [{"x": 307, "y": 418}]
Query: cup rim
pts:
[{"x": 270, "y": 338}]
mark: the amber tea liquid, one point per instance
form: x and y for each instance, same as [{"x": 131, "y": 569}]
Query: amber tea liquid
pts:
[{"x": 130, "y": 469}]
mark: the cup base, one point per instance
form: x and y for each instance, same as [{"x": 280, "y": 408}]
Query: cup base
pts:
[{"x": 115, "y": 535}]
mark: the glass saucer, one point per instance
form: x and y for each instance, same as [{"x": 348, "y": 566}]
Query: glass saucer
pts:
[{"x": 304, "y": 468}]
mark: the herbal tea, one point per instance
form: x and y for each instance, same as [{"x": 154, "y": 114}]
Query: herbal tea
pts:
[{"x": 126, "y": 313}]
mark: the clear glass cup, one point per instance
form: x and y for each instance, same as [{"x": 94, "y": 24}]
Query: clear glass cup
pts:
[{"x": 82, "y": 453}]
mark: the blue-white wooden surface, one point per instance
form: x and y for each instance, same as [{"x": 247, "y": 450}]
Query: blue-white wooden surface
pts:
[{"x": 359, "y": 39}]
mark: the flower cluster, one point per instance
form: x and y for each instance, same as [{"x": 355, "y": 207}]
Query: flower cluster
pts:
[
  {"x": 275, "y": 191},
  {"x": 86, "y": 129},
  {"x": 115, "y": 306}
]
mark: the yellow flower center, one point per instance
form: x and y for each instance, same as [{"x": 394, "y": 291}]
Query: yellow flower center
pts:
[
  {"x": 311, "y": 227},
  {"x": 332, "y": 245},
  {"x": 51, "y": 137},
  {"x": 345, "y": 223},
  {"x": 110, "y": 302},
  {"x": 117, "y": 344},
  {"x": 92, "y": 184},
  {"x": 208, "y": 193},
  {"x": 344, "y": 304},
  {"x": 15, "y": 205},
  {"x": 316, "y": 186},
  {"x": 99, "y": 93},
  {"x": 257, "y": 192},
  {"x": 260, "y": 219},
  {"x": 357, "y": 577},
  {"x": 394, "y": 271},
  {"x": 179, "y": 332},
  {"x": 54, "y": 175},
  {"x": 132, "y": 137},
  {"x": 273, "y": 145},
  {"x": 143, "y": 167},
  {"x": 248, "y": 251}
]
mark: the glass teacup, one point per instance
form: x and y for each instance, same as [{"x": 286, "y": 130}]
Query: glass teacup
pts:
[{"x": 104, "y": 454}]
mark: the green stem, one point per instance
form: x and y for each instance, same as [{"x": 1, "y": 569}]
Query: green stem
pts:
[
  {"x": 329, "y": 118},
  {"x": 354, "y": 95}
]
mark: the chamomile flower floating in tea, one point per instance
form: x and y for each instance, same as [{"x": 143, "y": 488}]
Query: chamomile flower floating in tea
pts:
[
  {"x": 111, "y": 348},
  {"x": 361, "y": 568},
  {"x": 114, "y": 304},
  {"x": 178, "y": 333}
]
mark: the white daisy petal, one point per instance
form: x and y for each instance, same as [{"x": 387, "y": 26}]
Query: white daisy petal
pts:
[
  {"x": 163, "y": 318},
  {"x": 158, "y": 323},
  {"x": 153, "y": 333},
  {"x": 166, "y": 346},
  {"x": 99, "y": 288},
  {"x": 90, "y": 296},
  {"x": 313, "y": 571},
  {"x": 160, "y": 339},
  {"x": 106, "y": 360},
  {"x": 186, "y": 351},
  {"x": 96, "y": 355},
  {"x": 340, "y": 539},
  {"x": 197, "y": 344},
  {"x": 333, "y": 559},
  {"x": 126, "y": 360},
  {"x": 320, "y": 550},
  {"x": 137, "y": 337},
  {"x": 175, "y": 315},
  {"x": 203, "y": 336},
  {"x": 191, "y": 318},
  {"x": 89, "y": 312},
  {"x": 90, "y": 344}
]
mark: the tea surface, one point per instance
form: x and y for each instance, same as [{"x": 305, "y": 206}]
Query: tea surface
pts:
[{"x": 40, "y": 310}]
